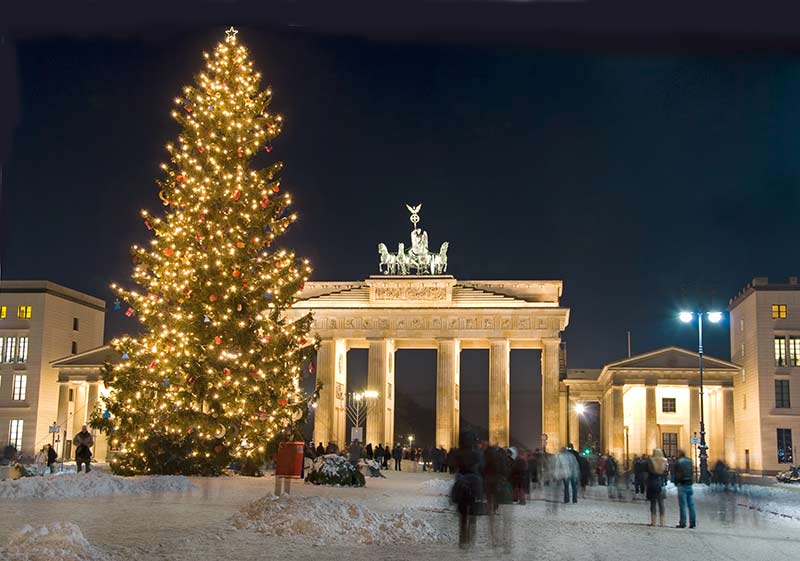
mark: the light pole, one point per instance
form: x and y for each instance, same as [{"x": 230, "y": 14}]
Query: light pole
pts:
[{"x": 713, "y": 317}]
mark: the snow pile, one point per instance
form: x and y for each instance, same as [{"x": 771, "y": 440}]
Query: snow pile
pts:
[
  {"x": 332, "y": 469},
  {"x": 370, "y": 468},
  {"x": 437, "y": 486},
  {"x": 54, "y": 542},
  {"x": 327, "y": 520},
  {"x": 92, "y": 484}
]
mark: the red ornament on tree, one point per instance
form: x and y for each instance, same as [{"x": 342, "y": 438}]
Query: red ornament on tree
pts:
[
  {"x": 201, "y": 148},
  {"x": 226, "y": 371},
  {"x": 148, "y": 225},
  {"x": 129, "y": 312},
  {"x": 240, "y": 244},
  {"x": 236, "y": 272},
  {"x": 153, "y": 364},
  {"x": 268, "y": 148},
  {"x": 264, "y": 202},
  {"x": 218, "y": 340},
  {"x": 240, "y": 152},
  {"x": 311, "y": 367},
  {"x": 236, "y": 195},
  {"x": 168, "y": 251},
  {"x": 275, "y": 189},
  {"x": 180, "y": 179},
  {"x": 282, "y": 402},
  {"x": 213, "y": 297}
]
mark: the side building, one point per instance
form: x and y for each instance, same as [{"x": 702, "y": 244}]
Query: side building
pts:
[
  {"x": 40, "y": 322},
  {"x": 765, "y": 342}
]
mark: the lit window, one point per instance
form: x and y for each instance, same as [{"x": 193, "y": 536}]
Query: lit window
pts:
[
  {"x": 742, "y": 349},
  {"x": 75, "y": 324},
  {"x": 24, "y": 312},
  {"x": 744, "y": 375},
  {"x": 3, "y": 312},
  {"x": 780, "y": 351},
  {"x": 794, "y": 351},
  {"x": 15, "y": 433},
  {"x": 782, "y": 400},
  {"x": 20, "y": 385},
  {"x": 785, "y": 453},
  {"x": 779, "y": 311},
  {"x": 22, "y": 349},
  {"x": 669, "y": 444},
  {"x": 11, "y": 345},
  {"x": 741, "y": 325},
  {"x": 668, "y": 405}
]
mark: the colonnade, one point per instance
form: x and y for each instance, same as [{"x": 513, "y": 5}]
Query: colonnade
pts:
[{"x": 330, "y": 415}]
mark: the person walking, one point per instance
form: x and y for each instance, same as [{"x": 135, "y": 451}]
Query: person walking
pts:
[
  {"x": 520, "y": 478},
  {"x": 683, "y": 478},
  {"x": 83, "y": 443},
  {"x": 611, "y": 476},
  {"x": 397, "y": 454},
  {"x": 466, "y": 491},
  {"x": 568, "y": 472},
  {"x": 51, "y": 458},
  {"x": 657, "y": 467}
]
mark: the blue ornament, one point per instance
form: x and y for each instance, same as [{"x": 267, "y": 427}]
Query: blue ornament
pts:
[
  {"x": 266, "y": 228},
  {"x": 210, "y": 107},
  {"x": 268, "y": 296},
  {"x": 125, "y": 356},
  {"x": 117, "y": 304},
  {"x": 106, "y": 414},
  {"x": 166, "y": 383}
]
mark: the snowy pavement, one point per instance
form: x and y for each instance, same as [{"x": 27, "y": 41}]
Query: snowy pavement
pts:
[{"x": 404, "y": 516}]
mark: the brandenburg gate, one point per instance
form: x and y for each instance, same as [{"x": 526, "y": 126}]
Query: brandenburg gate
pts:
[{"x": 431, "y": 310}]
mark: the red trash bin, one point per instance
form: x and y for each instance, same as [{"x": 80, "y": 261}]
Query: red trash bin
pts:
[{"x": 290, "y": 459}]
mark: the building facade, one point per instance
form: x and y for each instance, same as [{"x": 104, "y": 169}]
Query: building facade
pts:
[
  {"x": 765, "y": 342},
  {"x": 40, "y": 322}
]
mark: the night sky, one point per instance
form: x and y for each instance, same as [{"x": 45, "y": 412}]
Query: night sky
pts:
[{"x": 644, "y": 180}]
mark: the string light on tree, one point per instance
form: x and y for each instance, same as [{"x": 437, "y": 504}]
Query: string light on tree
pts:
[{"x": 213, "y": 376}]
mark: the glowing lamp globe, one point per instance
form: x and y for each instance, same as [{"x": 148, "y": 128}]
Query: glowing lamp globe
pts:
[
  {"x": 686, "y": 317},
  {"x": 715, "y": 317}
]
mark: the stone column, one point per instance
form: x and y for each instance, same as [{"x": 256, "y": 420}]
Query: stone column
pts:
[
  {"x": 550, "y": 394},
  {"x": 728, "y": 428},
  {"x": 574, "y": 436},
  {"x": 499, "y": 370},
  {"x": 447, "y": 376},
  {"x": 329, "y": 417},
  {"x": 380, "y": 378},
  {"x": 617, "y": 424},
  {"x": 650, "y": 419}
]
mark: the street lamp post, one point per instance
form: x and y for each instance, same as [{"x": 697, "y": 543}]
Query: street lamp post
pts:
[{"x": 713, "y": 317}]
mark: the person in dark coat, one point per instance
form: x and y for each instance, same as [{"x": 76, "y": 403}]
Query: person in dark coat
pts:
[
  {"x": 369, "y": 452},
  {"x": 657, "y": 468},
  {"x": 586, "y": 474},
  {"x": 640, "y": 471},
  {"x": 320, "y": 450},
  {"x": 51, "y": 458},
  {"x": 83, "y": 443},
  {"x": 466, "y": 491},
  {"x": 387, "y": 454},
  {"x": 379, "y": 455},
  {"x": 397, "y": 454},
  {"x": 520, "y": 478}
]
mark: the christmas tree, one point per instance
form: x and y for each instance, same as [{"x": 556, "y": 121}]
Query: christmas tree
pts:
[{"x": 213, "y": 377}]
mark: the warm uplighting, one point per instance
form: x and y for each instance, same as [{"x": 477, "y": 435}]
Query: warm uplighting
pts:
[
  {"x": 370, "y": 394},
  {"x": 714, "y": 317},
  {"x": 686, "y": 317}
]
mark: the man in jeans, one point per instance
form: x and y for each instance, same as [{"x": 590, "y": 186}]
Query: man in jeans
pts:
[{"x": 683, "y": 477}]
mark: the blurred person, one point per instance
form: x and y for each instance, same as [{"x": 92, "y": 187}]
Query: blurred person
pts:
[
  {"x": 657, "y": 468},
  {"x": 320, "y": 450},
  {"x": 601, "y": 469},
  {"x": 498, "y": 492},
  {"x": 683, "y": 477},
  {"x": 52, "y": 456},
  {"x": 369, "y": 452},
  {"x": 467, "y": 487},
  {"x": 640, "y": 472},
  {"x": 397, "y": 455},
  {"x": 520, "y": 478},
  {"x": 720, "y": 474},
  {"x": 379, "y": 455},
  {"x": 40, "y": 461},
  {"x": 612, "y": 474},
  {"x": 568, "y": 472},
  {"x": 355, "y": 452}
]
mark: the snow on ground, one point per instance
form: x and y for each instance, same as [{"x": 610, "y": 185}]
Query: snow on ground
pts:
[
  {"x": 437, "y": 487},
  {"x": 781, "y": 499},
  {"x": 53, "y": 542},
  {"x": 327, "y": 521},
  {"x": 92, "y": 484},
  {"x": 218, "y": 519}
]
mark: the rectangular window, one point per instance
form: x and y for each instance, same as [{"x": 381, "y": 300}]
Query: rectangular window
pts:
[
  {"x": 744, "y": 375},
  {"x": 785, "y": 452},
  {"x": 22, "y": 349},
  {"x": 20, "y": 385},
  {"x": 742, "y": 349},
  {"x": 782, "y": 394},
  {"x": 389, "y": 390},
  {"x": 74, "y": 348},
  {"x": 71, "y": 395},
  {"x": 780, "y": 351},
  {"x": 668, "y": 405},
  {"x": 15, "y": 433},
  {"x": 741, "y": 325},
  {"x": 24, "y": 312},
  {"x": 794, "y": 351},
  {"x": 75, "y": 324},
  {"x": 669, "y": 444},
  {"x": 779, "y": 311},
  {"x": 3, "y": 312},
  {"x": 11, "y": 345}
]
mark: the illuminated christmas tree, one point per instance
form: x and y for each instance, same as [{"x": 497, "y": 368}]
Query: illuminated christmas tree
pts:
[{"x": 213, "y": 377}]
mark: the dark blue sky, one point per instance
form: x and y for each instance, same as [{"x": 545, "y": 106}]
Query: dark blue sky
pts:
[{"x": 638, "y": 179}]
